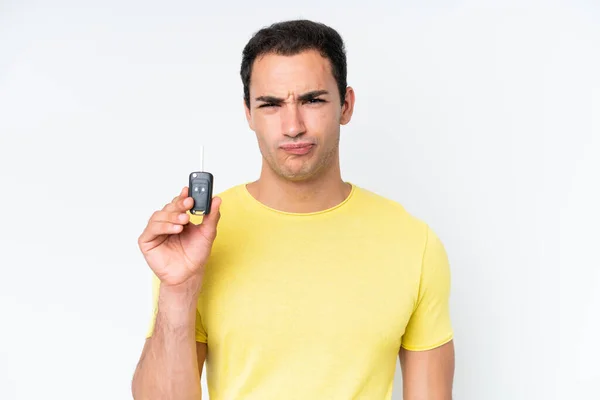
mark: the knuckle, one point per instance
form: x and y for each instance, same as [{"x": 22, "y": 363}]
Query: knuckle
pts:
[
  {"x": 159, "y": 228},
  {"x": 173, "y": 217}
]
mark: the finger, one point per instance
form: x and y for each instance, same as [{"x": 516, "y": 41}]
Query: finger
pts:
[
  {"x": 175, "y": 217},
  {"x": 155, "y": 229},
  {"x": 169, "y": 220},
  {"x": 182, "y": 195},
  {"x": 180, "y": 203}
]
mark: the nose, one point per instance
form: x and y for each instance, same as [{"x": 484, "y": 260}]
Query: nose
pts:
[{"x": 292, "y": 121}]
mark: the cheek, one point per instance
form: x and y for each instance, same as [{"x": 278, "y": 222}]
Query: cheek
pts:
[
  {"x": 267, "y": 130},
  {"x": 321, "y": 122}
]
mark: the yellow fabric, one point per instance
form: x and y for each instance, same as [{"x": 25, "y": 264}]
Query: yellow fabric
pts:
[{"x": 316, "y": 306}]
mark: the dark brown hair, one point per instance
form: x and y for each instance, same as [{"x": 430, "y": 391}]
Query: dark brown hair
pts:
[{"x": 293, "y": 37}]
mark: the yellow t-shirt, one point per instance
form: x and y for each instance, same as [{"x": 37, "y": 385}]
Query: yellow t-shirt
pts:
[{"x": 317, "y": 305}]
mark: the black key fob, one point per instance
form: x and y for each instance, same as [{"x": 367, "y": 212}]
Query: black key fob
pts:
[{"x": 200, "y": 188}]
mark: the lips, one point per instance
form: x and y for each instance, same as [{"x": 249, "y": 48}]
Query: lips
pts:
[{"x": 297, "y": 148}]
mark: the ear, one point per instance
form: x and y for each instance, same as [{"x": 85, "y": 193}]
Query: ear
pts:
[
  {"x": 348, "y": 106},
  {"x": 248, "y": 115}
]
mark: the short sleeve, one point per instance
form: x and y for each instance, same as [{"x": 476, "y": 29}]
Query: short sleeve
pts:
[
  {"x": 200, "y": 331},
  {"x": 429, "y": 325}
]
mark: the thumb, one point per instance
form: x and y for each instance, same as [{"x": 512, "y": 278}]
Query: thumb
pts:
[{"x": 211, "y": 220}]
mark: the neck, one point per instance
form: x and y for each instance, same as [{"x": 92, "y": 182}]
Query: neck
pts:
[{"x": 313, "y": 195}]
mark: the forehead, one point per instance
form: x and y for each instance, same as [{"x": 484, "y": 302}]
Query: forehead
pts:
[{"x": 277, "y": 74}]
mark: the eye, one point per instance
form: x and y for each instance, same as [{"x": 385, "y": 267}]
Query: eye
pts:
[
  {"x": 314, "y": 101},
  {"x": 266, "y": 105}
]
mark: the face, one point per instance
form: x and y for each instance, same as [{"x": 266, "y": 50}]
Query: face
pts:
[{"x": 296, "y": 113}]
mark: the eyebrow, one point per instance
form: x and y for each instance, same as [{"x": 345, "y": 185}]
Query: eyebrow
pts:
[{"x": 303, "y": 97}]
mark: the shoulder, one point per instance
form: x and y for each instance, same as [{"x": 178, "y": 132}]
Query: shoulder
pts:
[
  {"x": 387, "y": 211},
  {"x": 410, "y": 232},
  {"x": 389, "y": 217}
]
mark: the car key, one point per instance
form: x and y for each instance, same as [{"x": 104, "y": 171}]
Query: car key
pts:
[{"x": 201, "y": 188}]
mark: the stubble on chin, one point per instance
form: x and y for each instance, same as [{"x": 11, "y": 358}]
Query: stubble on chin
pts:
[{"x": 310, "y": 169}]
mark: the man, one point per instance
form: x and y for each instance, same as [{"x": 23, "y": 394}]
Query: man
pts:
[{"x": 313, "y": 286}]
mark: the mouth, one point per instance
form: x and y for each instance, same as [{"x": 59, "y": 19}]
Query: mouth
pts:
[{"x": 297, "y": 148}]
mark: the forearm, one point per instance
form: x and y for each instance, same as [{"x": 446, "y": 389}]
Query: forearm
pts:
[{"x": 168, "y": 367}]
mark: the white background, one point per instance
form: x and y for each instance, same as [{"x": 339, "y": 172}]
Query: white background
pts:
[{"x": 482, "y": 118}]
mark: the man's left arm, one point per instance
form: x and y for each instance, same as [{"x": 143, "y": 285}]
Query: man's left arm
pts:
[
  {"x": 428, "y": 374},
  {"x": 427, "y": 351}
]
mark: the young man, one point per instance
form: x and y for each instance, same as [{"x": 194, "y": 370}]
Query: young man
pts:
[{"x": 313, "y": 286}]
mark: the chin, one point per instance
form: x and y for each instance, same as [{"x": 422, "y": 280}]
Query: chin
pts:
[
  {"x": 296, "y": 170},
  {"x": 299, "y": 178},
  {"x": 300, "y": 174},
  {"x": 293, "y": 176}
]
